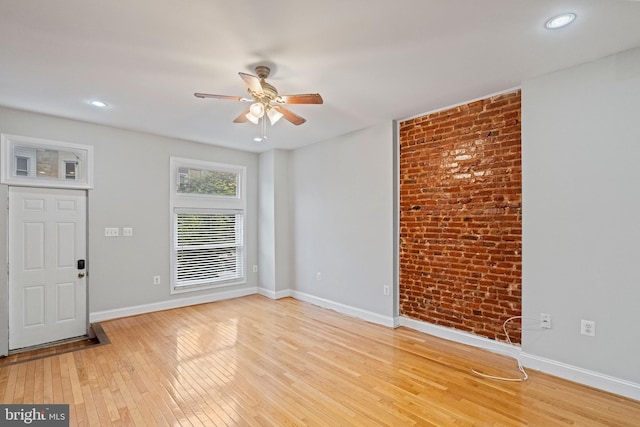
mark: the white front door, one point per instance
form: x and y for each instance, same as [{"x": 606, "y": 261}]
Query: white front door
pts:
[{"x": 47, "y": 289}]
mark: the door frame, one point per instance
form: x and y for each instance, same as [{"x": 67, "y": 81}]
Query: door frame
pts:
[{"x": 4, "y": 266}]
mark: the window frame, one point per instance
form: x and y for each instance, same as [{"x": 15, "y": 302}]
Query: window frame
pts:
[
  {"x": 205, "y": 203},
  {"x": 8, "y": 174}
]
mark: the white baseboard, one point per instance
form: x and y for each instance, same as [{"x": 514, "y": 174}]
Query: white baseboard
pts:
[
  {"x": 562, "y": 370},
  {"x": 273, "y": 294},
  {"x": 99, "y": 316},
  {"x": 572, "y": 373},
  {"x": 461, "y": 337},
  {"x": 583, "y": 376},
  {"x": 345, "y": 309}
]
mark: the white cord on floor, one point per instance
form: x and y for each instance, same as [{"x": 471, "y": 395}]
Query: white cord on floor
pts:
[{"x": 517, "y": 357}]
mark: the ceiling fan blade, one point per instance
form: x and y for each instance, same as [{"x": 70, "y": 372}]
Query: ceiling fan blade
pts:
[
  {"x": 230, "y": 97},
  {"x": 290, "y": 115},
  {"x": 242, "y": 118},
  {"x": 252, "y": 82},
  {"x": 307, "y": 98}
]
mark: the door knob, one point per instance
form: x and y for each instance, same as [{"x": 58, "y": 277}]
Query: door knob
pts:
[{"x": 80, "y": 275}]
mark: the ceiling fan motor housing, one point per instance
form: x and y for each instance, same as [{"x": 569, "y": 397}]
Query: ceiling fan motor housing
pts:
[
  {"x": 270, "y": 91},
  {"x": 262, "y": 71}
]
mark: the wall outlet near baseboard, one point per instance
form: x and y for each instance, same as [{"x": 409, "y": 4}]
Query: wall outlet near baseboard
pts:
[
  {"x": 588, "y": 327},
  {"x": 111, "y": 232},
  {"x": 156, "y": 280}
]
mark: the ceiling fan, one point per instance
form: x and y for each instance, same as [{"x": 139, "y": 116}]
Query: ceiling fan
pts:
[{"x": 266, "y": 102}]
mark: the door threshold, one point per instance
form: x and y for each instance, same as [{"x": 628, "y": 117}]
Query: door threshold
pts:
[
  {"x": 49, "y": 345},
  {"x": 95, "y": 337}
]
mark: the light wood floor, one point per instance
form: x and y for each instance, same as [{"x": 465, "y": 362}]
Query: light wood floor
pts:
[{"x": 257, "y": 362}]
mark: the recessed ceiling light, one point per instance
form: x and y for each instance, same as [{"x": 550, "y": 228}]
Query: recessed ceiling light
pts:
[
  {"x": 97, "y": 103},
  {"x": 560, "y": 21}
]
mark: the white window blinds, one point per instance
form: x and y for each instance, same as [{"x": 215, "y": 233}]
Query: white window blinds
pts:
[{"x": 208, "y": 247}]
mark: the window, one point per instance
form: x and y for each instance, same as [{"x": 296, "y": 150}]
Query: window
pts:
[
  {"x": 70, "y": 169},
  {"x": 209, "y": 182},
  {"x": 43, "y": 163},
  {"x": 22, "y": 166},
  {"x": 209, "y": 247},
  {"x": 207, "y": 208}
]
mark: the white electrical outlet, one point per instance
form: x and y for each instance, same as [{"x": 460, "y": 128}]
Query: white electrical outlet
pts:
[
  {"x": 127, "y": 232},
  {"x": 255, "y": 268},
  {"x": 386, "y": 290},
  {"x": 156, "y": 280},
  {"x": 111, "y": 232},
  {"x": 588, "y": 327},
  {"x": 545, "y": 321},
  {"x": 318, "y": 276}
]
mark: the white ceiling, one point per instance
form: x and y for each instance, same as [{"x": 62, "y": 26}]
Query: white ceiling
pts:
[{"x": 371, "y": 60}]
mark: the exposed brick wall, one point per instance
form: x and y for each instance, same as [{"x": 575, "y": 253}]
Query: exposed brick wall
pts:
[{"x": 461, "y": 217}]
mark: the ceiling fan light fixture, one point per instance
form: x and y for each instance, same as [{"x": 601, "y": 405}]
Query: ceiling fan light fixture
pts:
[
  {"x": 257, "y": 109},
  {"x": 274, "y": 115},
  {"x": 253, "y": 119}
]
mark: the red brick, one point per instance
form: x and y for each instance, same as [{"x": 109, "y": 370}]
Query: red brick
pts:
[{"x": 461, "y": 216}]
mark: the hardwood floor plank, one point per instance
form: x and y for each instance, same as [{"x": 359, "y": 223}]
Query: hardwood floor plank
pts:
[
  {"x": 257, "y": 362},
  {"x": 89, "y": 411},
  {"x": 47, "y": 382}
]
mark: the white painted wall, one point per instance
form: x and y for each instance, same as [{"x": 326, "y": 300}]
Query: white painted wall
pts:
[
  {"x": 131, "y": 175},
  {"x": 273, "y": 224},
  {"x": 282, "y": 225},
  {"x": 581, "y": 230},
  {"x": 266, "y": 220},
  {"x": 342, "y": 219}
]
